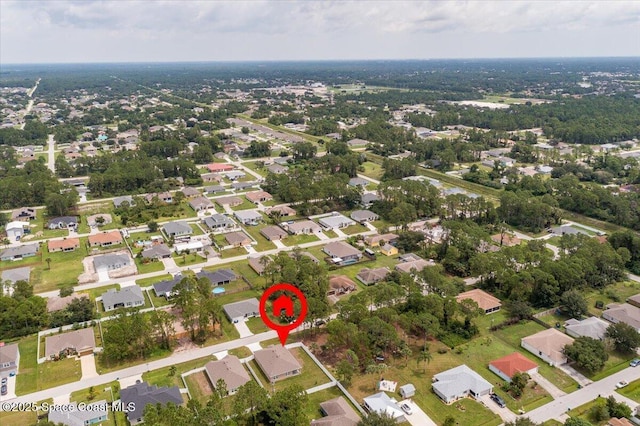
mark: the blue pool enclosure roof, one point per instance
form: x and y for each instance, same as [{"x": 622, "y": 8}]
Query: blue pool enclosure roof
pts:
[{"x": 218, "y": 290}]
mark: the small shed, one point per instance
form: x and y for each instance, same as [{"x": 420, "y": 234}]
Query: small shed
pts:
[{"x": 407, "y": 391}]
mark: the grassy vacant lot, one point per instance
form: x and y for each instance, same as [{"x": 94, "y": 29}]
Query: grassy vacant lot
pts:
[
  {"x": 263, "y": 243},
  {"x": 187, "y": 259},
  {"x": 34, "y": 377},
  {"x": 146, "y": 282},
  {"x": 354, "y": 229},
  {"x": 616, "y": 293},
  {"x": 18, "y": 418},
  {"x": 632, "y": 391},
  {"x": 150, "y": 266},
  {"x": 241, "y": 352},
  {"x": 310, "y": 377},
  {"x": 233, "y": 252},
  {"x": 101, "y": 392},
  {"x": 296, "y": 240},
  {"x": 372, "y": 170},
  {"x": 583, "y": 411},
  {"x": 246, "y": 205},
  {"x": 65, "y": 268},
  {"x": 162, "y": 377}
]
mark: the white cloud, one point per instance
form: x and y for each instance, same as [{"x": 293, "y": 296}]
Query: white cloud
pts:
[{"x": 37, "y": 31}]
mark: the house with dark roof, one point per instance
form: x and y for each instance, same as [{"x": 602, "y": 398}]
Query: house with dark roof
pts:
[
  {"x": 19, "y": 252},
  {"x": 165, "y": 288},
  {"x": 356, "y": 181},
  {"x": 63, "y": 222},
  {"x": 9, "y": 360},
  {"x": 238, "y": 311},
  {"x": 237, "y": 239},
  {"x": 142, "y": 394},
  {"x": 341, "y": 250},
  {"x": 230, "y": 370},
  {"x": 16, "y": 274},
  {"x": 78, "y": 342},
  {"x": 340, "y": 284},
  {"x": 277, "y": 169},
  {"x": 213, "y": 189},
  {"x": 367, "y": 199},
  {"x": 70, "y": 415},
  {"x": 277, "y": 363},
  {"x": 128, "y": 297},
  {"x": 177, "y": 229},
  {"x": 509, "y": 365},
  {"x": 460, "y": 382},
  {"x": 362, "y": 216},
  {"x": 158, "y": 251},
  {"x": 337, "y": 412},
  {"x": 371, "y": 276},
  {"x": 219, "y": 277}
]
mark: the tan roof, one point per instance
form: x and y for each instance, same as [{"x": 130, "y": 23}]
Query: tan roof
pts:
[
  {"x": 634, "y": 300},
  {"x": 340, "y": 249},
  {"x": 230, "y": 370},
  {"x": 374, "y": 239},
  {"x": 614, "y": 421},
  {"x": 63, "y": 244},
  {"x": 507, "y": 239},
  {"x": 341, "y": 282},
  {"x": 105, "y": 238},
  {"x": 8, "y": 353},
  {"x": 276, "y": 361},
  {"x": 80, "y": 340},
  {"x": 550, "y": 342},
  {"x": 273, "y": 231},
  {"x": 369, "y": 276},
  {"x": 258, "y": 195},
  {"x": 236, "y": 238},
  {"x": 625, "y": 313},
  {"x": 256, "y": 265},
  {"x": 339, "y": 413},
  {"x": 228, "y": 200},
  {"x": 413, "y": 265},
  {"x": 303, "y": 225},
  {"x": 283, "y": 210},
  {"x": 484, "y": 300}
]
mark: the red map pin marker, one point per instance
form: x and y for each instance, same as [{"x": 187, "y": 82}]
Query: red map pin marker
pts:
[{"x": 285, "y": 303}]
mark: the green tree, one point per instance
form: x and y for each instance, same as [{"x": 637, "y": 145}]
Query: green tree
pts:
[
  {"x": 287, "y": 406},
  {"x": 577, "y": 421},
  {"x": 377, "y": 419},
  {"x": 424, "y": 356},
  {"x": 618, "y": 409},
  {"x": 625, "y": 338},
  {"x": 574, "y": 303},
  {"x": 588, "y": 353},
  {"x": 249, "y": 400}
]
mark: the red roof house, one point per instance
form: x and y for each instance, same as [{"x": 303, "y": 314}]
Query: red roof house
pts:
[{"x": 509, "y": 365}]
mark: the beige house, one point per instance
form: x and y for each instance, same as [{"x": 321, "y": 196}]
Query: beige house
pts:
[
  {"x": 277, "y": 363},
  {"x": 548, "y": 345},
  {"x": 230, "y": 370},
  {"x": 485, "y": 301},
  {"x": 81, "y": 342}
]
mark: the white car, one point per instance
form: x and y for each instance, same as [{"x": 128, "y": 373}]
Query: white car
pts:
[
  {"x": 621, "y": 384},
  {"x": 405, "y": 407}
]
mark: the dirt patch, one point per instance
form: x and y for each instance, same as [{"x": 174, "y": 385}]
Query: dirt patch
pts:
[{"x": 202, "y": 382}]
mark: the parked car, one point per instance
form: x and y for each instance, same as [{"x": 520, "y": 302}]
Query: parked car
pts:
[
  {"x": 498, "y": 400},
  {"x": 406, "y": 408},
  {"x": 621, "y": 384},
  {"x": 3, "y": 390},
  {"x": 4, "y": 381},
  {"x": 635, "y": 362}
]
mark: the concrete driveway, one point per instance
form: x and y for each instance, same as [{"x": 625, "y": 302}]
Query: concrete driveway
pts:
[
  {"x": 504, "y": 413},
  {"x": 88, "y": 366},
  {"x": 417, "y": 417},
  {"x": 242, "y": 328},
  {"x": 11, "y": 389},
  {"x": 548, "y": 386}
]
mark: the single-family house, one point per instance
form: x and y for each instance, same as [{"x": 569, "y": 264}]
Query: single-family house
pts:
[
  {"x": 368, "y": 198},
  {"x": 509, "y": 365},
  {"x": 66, "y": 244},
  {"x": 158, "y": 251},
  {"x": 128, "y": 297},
  {"x": 340, "y": 251},
  {"x": 117, "y": 201},
  {"x": 201, "y": 204},
  {"x": 241, "y": 310},
  {"x": 16, "y": 274},
  {"x": 371, "y": 276},
  {"x": 337, "y": 412},
  {"x": 214, "y": 189},
  {"x": 163, "y": 197},
  {"x": 189, "y": 192},
  {"x": 78, "y": 342},
  {"x": 248, "y": 217},
  {"x": 634, "y": 300},
  {"x": 593, "y": 327},
  {"x": 228, "y": 201},
  {"x": 277, "y": 169},
  {"x": 105, "y": 239},
  {"x": 375, "y": 240},
  {"x": 460, "y": 382},
  {"x": 407, "y": 391},
  {"x": 63, "y": 222},
  {"x": 413, "y": 266},
  {"x": 230, "y": 370},
  {"x": 257, "y": 264},
  {"x": 219, "y": 221},
  {"x": 240, "y": 186},
  {"x": 336, "y": 220},
  {"x": 220, "y": 167},
  {"x": 357, "y": 142},
  {"x": 110, "y": 262},
  {"x": 57, "y": 303},
  {"x": 237, "y": 239},
  {"x": 177, "y": 229},
  {"x": 283, "y": 211},
  {"x": 625, "y": 313},
  {"x": 381, "y": 403},
  {"x": 362, "y": 216},
  {"x": 189, "y": 247},
  {"x": 15, "y": 230},
  {"x": 258, "y": 196},
  {"x": 165, "y": 288},
  {"x": 24, "y": 214},
  {"x": 9, "y": 360},
  {"x": 485, "y": 301},
  {"x": 142, "y": 394},
  {"x": 234, "y": 175},
  {"x": 388, "y": 250},
  {"x": 505, "y": 239},
  {"x": 19, "y": 252},
  {"x": 218, "y": 277},
  {"x": 548, "y": 345},
  {"x": 211, "y": 177},
  {"x": 277, "y": 363},
  {"x": 621, "y": 421},
  {"x": 71, "y": 415},
  {"x": 303, "y": 227},
  {"x": 273, "y": 233},
  {"x": 340, "y": 284},
  {"x": 356, "y": 181}
]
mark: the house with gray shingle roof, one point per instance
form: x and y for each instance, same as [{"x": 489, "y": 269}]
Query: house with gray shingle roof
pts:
[
  {"x": 19, "y": 252},
  {"x": 142, "y": 394},
  {"x": 110, "y": 262},
  {"x": 80, "y": 342},
  {"x": 219, "y": 277},
  {"x": 592, "y": 327},
  {"x": 9, "y": 360},
  {"x": 362, "y": 216},
  {"x": 460, "y": 382},
  {"x": 238, "y": 311},
  {"x": 159, "y": 251},
  {"x": 71, "y": 415},
  {"x": 248, "y": 217},
  {"x": 230, "y": 370},
  {"x": 16, "y": 274},
  {"x": 165, "y": 288},
  {"x": 128, "y": 297},
  {"x": 219, "y": 221},
  {"x": 177, "y": 229},
  {"x": 117, "y": 201},
  {"x": 277, "y": 363}
]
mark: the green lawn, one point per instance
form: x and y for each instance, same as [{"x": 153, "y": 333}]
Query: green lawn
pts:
[
  {"x": 372, "y": 170},
  {"x": 157, "y": 301},
  {"x": 18, "y": 418},
  {"x": 233, "y": 252},
  {"x": 162, "y": 377},
  {"x": 632, "y": 391},
  {"x": 188, "y": 259},
  {"x": 256, "y": 325},
  {"x": 97, "y": 292},
  {"x": 246, "y": 205},
  {"x": 146, "y": 282},
  {"x": 196, "y": 391},
  {"x": 311, "y": 374},
  {"x": 616, "y": 362},
  {"x": 354, "y": 229},
  {"x": 296, "y": 240},
  {"x": 241, "y": 352},
  {"x": 33, "y": 377},
  {"x": 65, "y": 268},
  {"x": 330, "y": 234},
  {"x": 196, "y": 229},
  {"x": 263, "y": 243},
  {"x": 616, "y": 293},
  {"x": 149, "y": 266},
  {"x": 583, "y": 411},
  {"x": 104, "y": 366}
]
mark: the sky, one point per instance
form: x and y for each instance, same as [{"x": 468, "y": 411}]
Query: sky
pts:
[{"x": 65, "y": 31}]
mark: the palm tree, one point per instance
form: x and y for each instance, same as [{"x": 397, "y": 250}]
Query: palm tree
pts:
[
  {"x": 424, "y": 356},
  {"x": 48, "y": 260}
]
